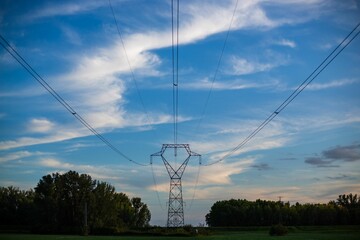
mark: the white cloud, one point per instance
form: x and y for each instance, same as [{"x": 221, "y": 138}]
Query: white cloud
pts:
[
  {"x": 19, "y": 155},
  {"x": 95, "y": 77},
  {"x": 72, "y": 36},
  {"x": 221, "y": 139},
  {"x": 63, "y": 9},
  {"x": 223, "y": 172},
  {"x": 238, "y": 84},
  {"x": 25, "y": 92},
  {"x": 97, "y": 80},
  {"x": 242, "y": 66},
  {"x": 40, "y": 125},
  {"x": 53, "y": 163},
  {"x": 331, "y": 84},
  {"x": 7, "y": 59},
  {"x": 60, "y": 135},
  {"x": 102, "y": 123},
  {"x": 286, "y": 43}
]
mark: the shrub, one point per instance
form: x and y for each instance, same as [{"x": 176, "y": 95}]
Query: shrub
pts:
[{"x": 278, "y": 230}]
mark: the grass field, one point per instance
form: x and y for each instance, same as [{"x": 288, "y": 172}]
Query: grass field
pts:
[{"x": 313, "y": 233}]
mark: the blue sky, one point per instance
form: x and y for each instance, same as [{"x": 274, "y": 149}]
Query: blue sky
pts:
[{"x": 308, "y": 153}]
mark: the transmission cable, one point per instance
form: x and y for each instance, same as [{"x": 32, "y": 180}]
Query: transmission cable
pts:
[
  {"x": 340, "y": 47},
  {"x": 217, "y": 69},
  {"x": 208, "y": 97},
  {"x": 195, "y": 186},
  {"x": 175, "y": 66},
  {"x": 6, "y": 45},
  {"x": 156, "y": 187},
  {"x": 130, "y": 67}
]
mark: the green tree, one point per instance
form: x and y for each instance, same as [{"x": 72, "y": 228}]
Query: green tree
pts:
[
  {"x": 241, "y": 212},
  {"x": 60, "y": 200},
  {"x": 16, "y": 206},
  {"x": 103, "y": 209},
  {"x": 64, "y": 201},
  {"x": 141, "y": 215}
]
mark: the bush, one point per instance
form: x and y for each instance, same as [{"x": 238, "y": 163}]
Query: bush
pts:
[{"x": 278, "y": 230}]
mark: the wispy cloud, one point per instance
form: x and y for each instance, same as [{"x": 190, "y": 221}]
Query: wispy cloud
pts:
[
  {"x": 320, "y": 162},
  {"x": 348, "y": 153},
  {"x": 63, "y": 9},
  {"x": 223, "y": 172},
  {"x": 261, "y": 166},
  {"x": 71, "y": 35},
  {"x": 331, "y": 84},
  {"x": 342, "y": 177},
  {"x": 337, "y": 155},
  {"x": 98, "y": 72},
  {"x": 60, "y": 135},
  {"x": 20, "y": 155},
  {"x": 278, "y": 133},
  {"x": 53, "y": 163},
  {"x": 215, "y": 147},
  {"x": 40, "y": 125},
  {"x": 244, "y": 66},
  {"x": 62, "y": 132},
  {"x": 205, "y": 84},
  {"x": 6, "y": 59},
  {"x": 285, "y": 42}
]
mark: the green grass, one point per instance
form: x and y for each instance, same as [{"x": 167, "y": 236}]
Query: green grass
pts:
[{"x": 303, "y": 233}]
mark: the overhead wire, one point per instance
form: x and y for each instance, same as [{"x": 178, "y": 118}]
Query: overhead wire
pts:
[
  {"x": 156, "y": 188},
  {"x": 12, "y": 51},
  {"x": 216, "y": 69},
  {"x": 130, "y": 67},
  {"x": 195, "y": 186},
  {"x": 208, "y": 97},
  {"x": 175, "y": 66},
  {"x": 175, "y": 81},
  {"x": 340, "y": 47}
]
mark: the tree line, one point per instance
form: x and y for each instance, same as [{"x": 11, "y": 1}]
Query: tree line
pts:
[
  {"x": 345, "y": 210},
  {"x": 72, "y": 203}
]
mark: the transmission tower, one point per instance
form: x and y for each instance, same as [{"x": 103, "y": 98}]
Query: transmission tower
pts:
[{"x": 176, "y": 203}]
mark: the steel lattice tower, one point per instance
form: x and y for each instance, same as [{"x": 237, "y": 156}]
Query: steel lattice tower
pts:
[{"x": 176, "y": 204}]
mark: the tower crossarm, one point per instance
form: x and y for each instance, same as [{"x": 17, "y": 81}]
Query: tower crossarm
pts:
[
  {"x": 172, "y": 173},
  {"x": 180, "y": 171}
]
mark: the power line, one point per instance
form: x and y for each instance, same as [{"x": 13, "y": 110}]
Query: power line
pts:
[
  {"x": 195, "y": 186},
  {"x": 156, "y": 188},
  {"x": 139, "y": 95},
  {"x": 175, "y": 67},
  {"x": 6, "y": 45},
  {"x": 130, "y": 67},
  {"x": 295, "y": 93},
  {"x": 209, "y": 94},
  {"x": 217, "y": 68}
]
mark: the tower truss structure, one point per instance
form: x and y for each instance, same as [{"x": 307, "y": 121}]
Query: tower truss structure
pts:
[{"x": 176, "y": 203}]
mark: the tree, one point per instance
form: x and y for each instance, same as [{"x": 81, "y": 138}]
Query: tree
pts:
[
  {"x": 61, "y": 200},
  {"x": 103, "y": 209},
  {"x": 346, "y": 210},
  {"x": 16, "y": 206},
  {"x": 142, "y": 214},
  {"x": 351, "y": 203}
]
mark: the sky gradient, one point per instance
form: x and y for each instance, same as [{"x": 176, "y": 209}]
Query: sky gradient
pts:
[{"x": 308, "y": 153}]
